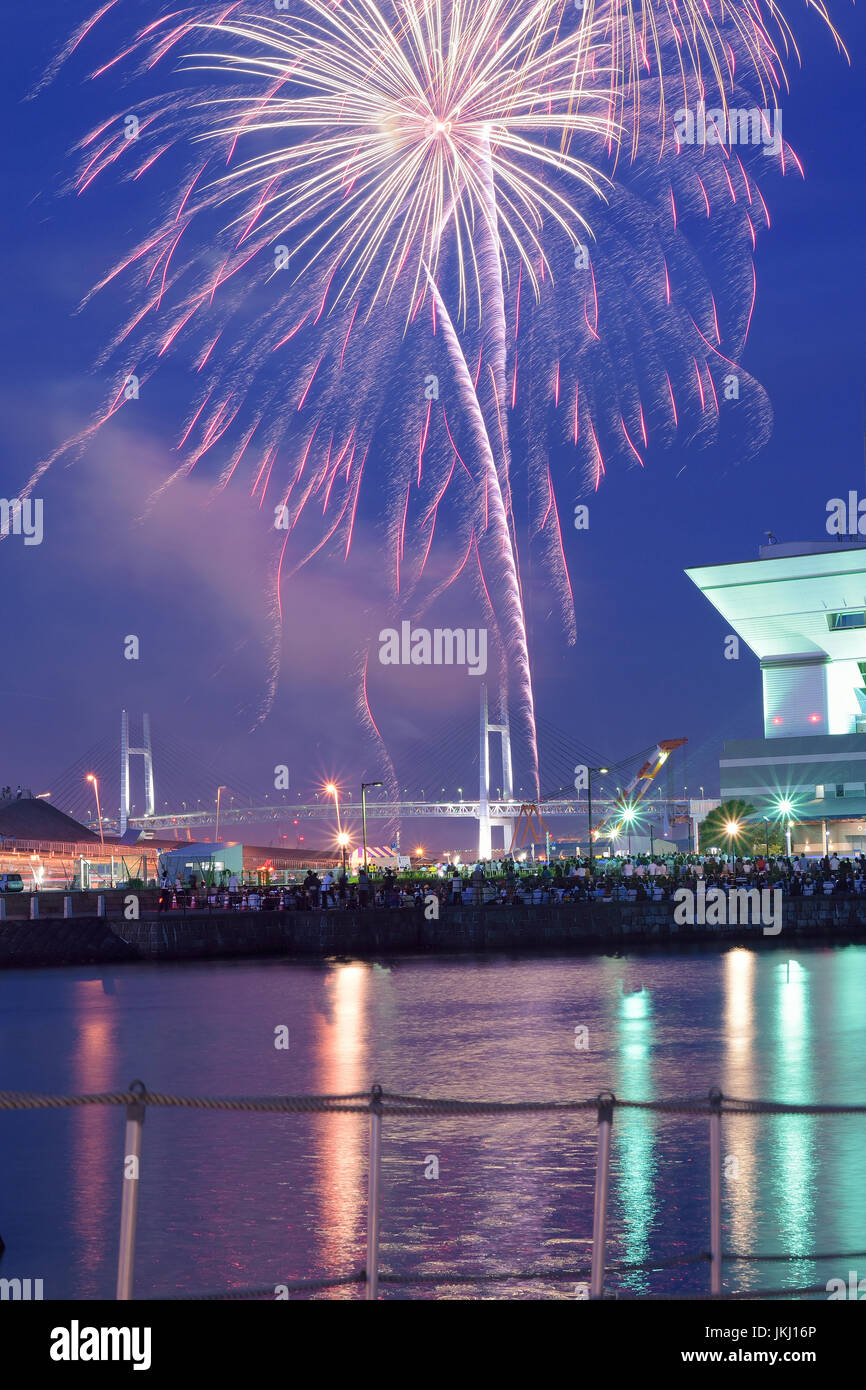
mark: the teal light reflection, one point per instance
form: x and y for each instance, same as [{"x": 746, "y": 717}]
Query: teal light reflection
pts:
[
  {"x": 635, "y": 1135},
  {"x": 791, "y": 1138}
]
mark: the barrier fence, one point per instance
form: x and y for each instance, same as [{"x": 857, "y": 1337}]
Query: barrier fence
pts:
[{"x": 378, "y": 1103}]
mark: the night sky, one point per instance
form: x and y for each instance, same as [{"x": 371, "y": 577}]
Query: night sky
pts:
[{"x": 189, "y": 578}]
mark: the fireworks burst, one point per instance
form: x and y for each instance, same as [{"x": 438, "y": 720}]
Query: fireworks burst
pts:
[{"x": 420, "y": 193}]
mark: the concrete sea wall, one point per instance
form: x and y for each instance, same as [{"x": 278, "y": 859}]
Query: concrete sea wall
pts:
[{"x": 375, "y": 932}]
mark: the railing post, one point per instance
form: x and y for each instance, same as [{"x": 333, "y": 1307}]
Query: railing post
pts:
[
  {"x": 100, "y": 905},
  {"x": 371, "y": 1290},
  {"x": 34, "y": 907},
  {"x": 67, "y": 905},
  {"x": 715, "y": 1191},
  {"x": 606, "y": 1102},
  {"x": 129, "y": 1202},
  {"x": 2, "y": 908}
]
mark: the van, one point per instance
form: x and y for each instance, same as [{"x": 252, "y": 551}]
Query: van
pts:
[{"x": 11, "y": 883}]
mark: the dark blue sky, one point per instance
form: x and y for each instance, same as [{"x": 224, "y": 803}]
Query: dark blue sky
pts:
[{"x": 649, "y": 659}]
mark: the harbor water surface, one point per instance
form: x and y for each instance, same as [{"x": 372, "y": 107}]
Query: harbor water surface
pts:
[{"x": 233, "y": 1200}]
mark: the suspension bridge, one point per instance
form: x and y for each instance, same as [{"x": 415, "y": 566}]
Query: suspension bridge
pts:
[{"x": 181, "y": 794}]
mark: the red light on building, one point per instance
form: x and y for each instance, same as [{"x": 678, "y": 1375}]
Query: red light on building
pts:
[
  {"x": 814, "y": 719},
  {"x": 777, "y": 719}
]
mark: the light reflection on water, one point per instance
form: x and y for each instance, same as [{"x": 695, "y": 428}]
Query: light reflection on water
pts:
[{"x": 229, "y": 1200}]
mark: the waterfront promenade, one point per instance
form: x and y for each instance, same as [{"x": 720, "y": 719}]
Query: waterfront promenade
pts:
[{"x": 213, "y": 932}]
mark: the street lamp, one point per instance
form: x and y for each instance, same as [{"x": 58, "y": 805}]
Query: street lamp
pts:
[
  {"x": 589, "y": 772},
  {"x": 91, "y": 778},
  {"x": 342, "y": 841},
  {"x": 332, "y": 790},
  {"x": 767, "y": 833},
  {"x": 364, "y": 786},
  {"x": 216, "y": 834},
  {"x": 628, "y": 816},
  {"x": 785, "y": 808},
  {"x": 733, "y": 829}
]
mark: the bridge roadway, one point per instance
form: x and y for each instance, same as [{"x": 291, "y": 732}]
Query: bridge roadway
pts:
[{"x": 398, "y": 810}]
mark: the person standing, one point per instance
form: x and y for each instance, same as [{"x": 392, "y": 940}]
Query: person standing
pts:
[
  {"x": 327, "y": 887},
  {"x": 477, "y": 886}
]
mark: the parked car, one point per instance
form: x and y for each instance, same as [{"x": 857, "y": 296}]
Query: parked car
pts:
[{"x": 11, "y": 883}]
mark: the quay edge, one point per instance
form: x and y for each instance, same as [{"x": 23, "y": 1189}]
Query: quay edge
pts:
[{"x": 604, "y": 927}]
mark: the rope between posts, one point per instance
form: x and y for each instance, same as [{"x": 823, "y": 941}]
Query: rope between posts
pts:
[
  {"x": 378, "y": 1102},
  {"x": 388, "y": 1103}
]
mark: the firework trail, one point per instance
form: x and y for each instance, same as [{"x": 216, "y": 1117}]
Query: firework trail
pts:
[{"x": 385, "y": 161}]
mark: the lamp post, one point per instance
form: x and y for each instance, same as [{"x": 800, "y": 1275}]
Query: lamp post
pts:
[
  {"x": 785, "y": 807},
  {"x": 628, "y": 817},
  {"x": 92, "y": 778},
  {"x": 589, "y": 772},
  {"x": 342, "y": 841},
  {"x": 216, "y": 835},
  {"x": 364, "y": 786},
  {"x": 733, "y": 830},
  {"x": 333, "y": 791}
]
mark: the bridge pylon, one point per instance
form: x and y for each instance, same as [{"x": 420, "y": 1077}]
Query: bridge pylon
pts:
[
  {"x": 486, "y": 823},
  {"x": 146, "y": 752}
]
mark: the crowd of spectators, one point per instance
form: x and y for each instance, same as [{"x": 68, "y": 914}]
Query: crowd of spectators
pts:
[{"x": 638, "y": 878}]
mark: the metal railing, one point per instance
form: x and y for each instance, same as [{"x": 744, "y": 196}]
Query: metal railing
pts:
[{"x": 378, "y": 1103}]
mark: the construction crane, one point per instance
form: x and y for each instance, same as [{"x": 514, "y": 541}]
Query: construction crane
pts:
[{"x": 640, "y": 784}]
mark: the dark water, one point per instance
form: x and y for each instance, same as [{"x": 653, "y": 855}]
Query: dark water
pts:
[{"x": 230, "y": 1200}]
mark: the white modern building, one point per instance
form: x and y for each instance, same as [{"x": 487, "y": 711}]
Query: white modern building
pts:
[{"x": 801, "y": 608}]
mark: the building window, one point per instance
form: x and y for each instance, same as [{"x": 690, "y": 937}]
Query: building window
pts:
[
  {"x": 837, "y": 622},
  {"x": 819, "y": 792},
  {"x": 840, "y": 789}
]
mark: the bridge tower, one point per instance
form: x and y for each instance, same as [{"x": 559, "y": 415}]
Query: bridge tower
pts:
[
  {"x": 146, "y": 752},
  {"x": 486, "y": 822}
]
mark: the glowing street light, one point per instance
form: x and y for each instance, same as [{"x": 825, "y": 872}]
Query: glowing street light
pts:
[
  {"x": 629, "y": 815},
  {"x": 733, "y": 829},
  {"x": 332, "y": 790},
  {"x": 785, "y": 810},
  {"x": 343, "y": 842},
  {"x": 92, "y": 778}
]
